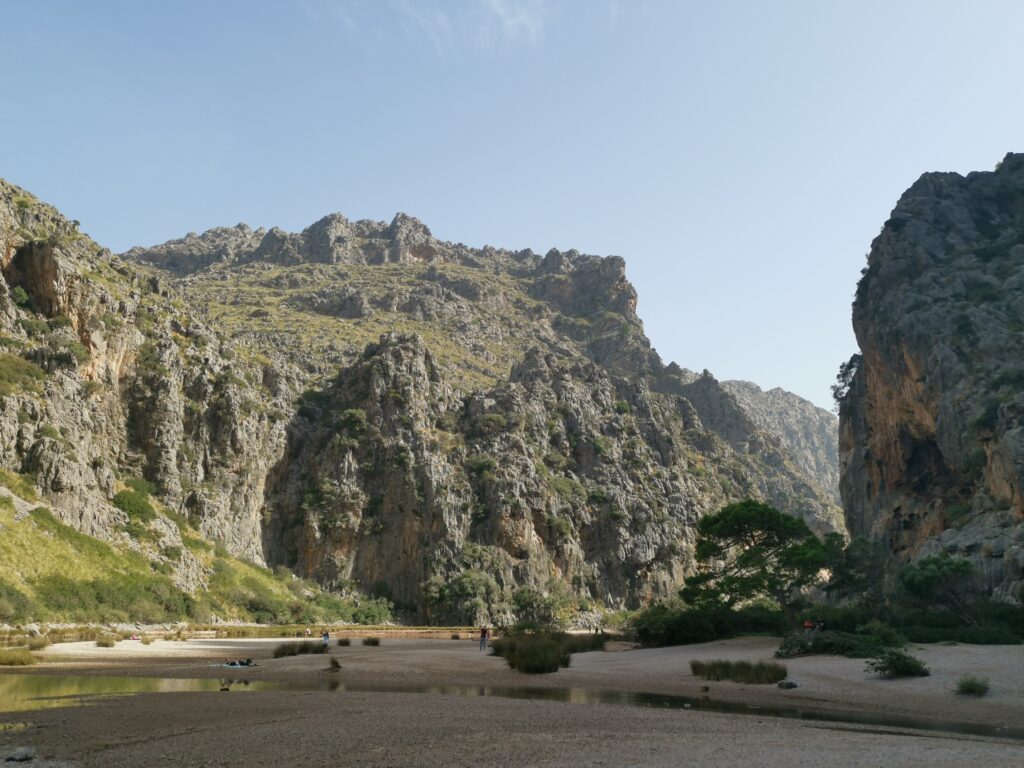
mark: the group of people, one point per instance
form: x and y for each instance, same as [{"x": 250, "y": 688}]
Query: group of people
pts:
[{"x": 818, "y": 625}]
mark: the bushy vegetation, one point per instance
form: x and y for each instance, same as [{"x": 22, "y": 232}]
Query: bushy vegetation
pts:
[
  {"x": 21, "y": 485},
  {"x": 972, "y": 686},
  {"x": 373, "y": 642},
  {"x": 106, "y": 641},
  {"x": 19, "y": 375},
  {"x": 895, "y": 662},
  {"x": 300, "y": 648},
  {"x": 676, "y": 623},
  {"x": 134, "y": 504},
  {"x": 756, "y": 672},
  {"x": 344, "y": 642},
  {"x": 544, "y": 652},
  {"x": 749, "y": 549},
  {"x": 16, "y": 657}
]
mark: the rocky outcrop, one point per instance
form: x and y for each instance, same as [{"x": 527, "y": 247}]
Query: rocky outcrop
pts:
[{"x": 931, "y": 436}]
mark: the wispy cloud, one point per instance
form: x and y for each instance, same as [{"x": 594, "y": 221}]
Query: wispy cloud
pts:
[
  {"x": 514, "y": 21},
  {"x": 440, "y": 25},
  {"x": 424, "y": 21}
]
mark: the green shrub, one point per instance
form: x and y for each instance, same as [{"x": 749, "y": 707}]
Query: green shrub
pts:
[
  {"x": 34, "y": 326},
  {"x": 544, "y": 652},
  {"x": 756, "y": 672},
  {"x": 15, "y": 606},
  {"x": 344, "y": 642},
  {"x": 22, "y": 485},
  {"x": 372, "y": 641},
  {"x": 673, "y": 624},
  {"x": 139, "y": 485},
  {"x": 19, "y": 375},
  {"x": 134, "y": 504},
  {"x": 480, "y": 464},
  {"x": 972, "y": 686},
  {"x": 106, "y": 641},
  {"x": 895, "y": 662},
  {"x": 38, "y": 643},
  {"x": 532, "y": 654},
  {"x": 16, "y": 657},
  {"x": 21, "y": 297},
  {"x": 830, "y": 643},
  {"x": 300, "y": 648}
]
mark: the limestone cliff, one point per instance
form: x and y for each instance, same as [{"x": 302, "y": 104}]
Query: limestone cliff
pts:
[
  {"x": 375, "y": 408},
  {"x": 931, "y": 436}
]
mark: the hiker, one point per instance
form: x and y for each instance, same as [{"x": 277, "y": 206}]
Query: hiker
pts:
[
  {"x": 325, "y": 638},
  {"x": 484, "y": 634}
]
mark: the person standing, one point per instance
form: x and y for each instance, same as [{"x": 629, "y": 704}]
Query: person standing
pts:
[
  {"x": 484, "y": 634},
  {"x": 325, "y": 638}
]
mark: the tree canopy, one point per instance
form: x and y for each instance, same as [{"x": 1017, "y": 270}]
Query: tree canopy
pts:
[{"x": 749, "y": 550}]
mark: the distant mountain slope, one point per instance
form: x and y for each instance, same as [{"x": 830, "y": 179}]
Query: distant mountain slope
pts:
[
  {"x": 932, "y": 443},
  {"x": 373, "y": 408}
]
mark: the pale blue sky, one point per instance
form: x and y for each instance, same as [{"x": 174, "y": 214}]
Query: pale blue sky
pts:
[{"x": 740, "y": 155}]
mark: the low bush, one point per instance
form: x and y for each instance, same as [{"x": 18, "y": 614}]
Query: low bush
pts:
[
  {"x": 456, "y": 636},
  {"x": 374, "y": 641},
  {"x": 756, "y": 672},
  {"x": 106, "y": 641},
  {"x": 344, "y": 642},
  {"x": 16, "y": 657},
  {"x": 670, "y": 624},
  {"x": 833, "y": 643},
  {"x": 532, "y": 654},
  {"x": 972, "y": 686},
  {"x": 544, "y": 652},
  {"x": 298, "y": 649},
  {"x": 896, "y": 662},
  {"x": 38, "y": 643},
  {"x": 134, "y": 504}
]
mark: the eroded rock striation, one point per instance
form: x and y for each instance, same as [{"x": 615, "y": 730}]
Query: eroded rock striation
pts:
[
  {"x": 375, "y": 408},
  {"x": 931, "y": 435}
]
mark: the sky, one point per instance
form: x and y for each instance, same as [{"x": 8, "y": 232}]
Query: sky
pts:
[{"x": 740, "y": 156}]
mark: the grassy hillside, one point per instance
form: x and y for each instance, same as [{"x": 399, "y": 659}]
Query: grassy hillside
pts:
[{"x": 51, "y": 572}]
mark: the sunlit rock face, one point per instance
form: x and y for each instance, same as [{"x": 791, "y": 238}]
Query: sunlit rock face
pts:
[{"x": 931, "y": 441}]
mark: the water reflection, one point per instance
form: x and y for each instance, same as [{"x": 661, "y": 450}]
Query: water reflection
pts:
[{"x": 26, "y": 692}]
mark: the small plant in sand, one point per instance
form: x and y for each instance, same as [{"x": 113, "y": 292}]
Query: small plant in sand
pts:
[
  {"x": 972, "y": 686},
  {"x": 456, "y": 636},
  {"x": 106, "y": 641},
  {"x": 896, "y": 662},
  {"x": 756, "y": 672},
  {"x": 371, "y": 641},
  {"x": 344, "y": 642},
  {"x": 146, "y": 640},
  {"x": 298, "y": 649},
  {"x": 16, "y": 657},
  {"x": 335, "y": 666},
  {"x": 38, "y": 643}
]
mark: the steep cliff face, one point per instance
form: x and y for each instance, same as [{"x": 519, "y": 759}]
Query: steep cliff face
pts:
[
  {"x": 107, "y": 377},
  {"x": 931, "y": 438},
  {"x": 372, "y": 407}
]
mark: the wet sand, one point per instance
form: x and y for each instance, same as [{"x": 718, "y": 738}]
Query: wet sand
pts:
[{"x": 388, "y": 728}]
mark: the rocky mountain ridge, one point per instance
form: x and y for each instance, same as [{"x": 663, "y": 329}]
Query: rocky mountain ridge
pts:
[
  {"x": 931, "y": 429},
  {"x": 377, "y": 409}
]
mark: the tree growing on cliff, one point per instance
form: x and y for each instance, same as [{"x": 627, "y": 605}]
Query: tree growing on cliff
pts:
[{"x": 749, "y": 550}]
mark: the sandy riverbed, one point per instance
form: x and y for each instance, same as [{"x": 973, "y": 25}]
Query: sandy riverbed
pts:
[{"x": 389, "y": 728}]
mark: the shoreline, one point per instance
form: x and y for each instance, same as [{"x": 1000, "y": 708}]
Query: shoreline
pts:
[{"x": 825, "y": 683}]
